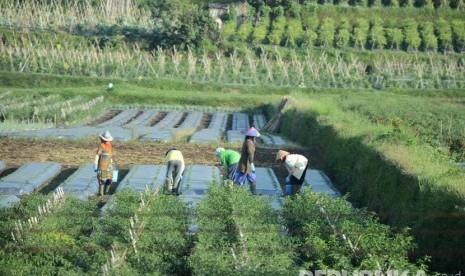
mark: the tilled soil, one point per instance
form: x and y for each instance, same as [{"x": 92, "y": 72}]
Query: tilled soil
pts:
[{"x": 72, "y": 154}]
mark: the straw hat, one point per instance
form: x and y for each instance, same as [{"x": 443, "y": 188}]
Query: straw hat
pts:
[
  {"x": 252, "y": 132},
  {"x": 281, "y": 154},
  {"x": 106, "y": 136},
  {"x": 218, "y": 151}
]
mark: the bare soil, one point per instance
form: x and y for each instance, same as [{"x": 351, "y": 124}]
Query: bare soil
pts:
[{"x": 72, "y": 154}]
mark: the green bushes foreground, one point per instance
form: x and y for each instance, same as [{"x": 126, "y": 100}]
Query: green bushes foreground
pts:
[{"x": 408, "y": 186}]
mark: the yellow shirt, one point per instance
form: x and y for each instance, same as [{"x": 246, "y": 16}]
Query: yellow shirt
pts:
[{"x": 174, "y": 155}]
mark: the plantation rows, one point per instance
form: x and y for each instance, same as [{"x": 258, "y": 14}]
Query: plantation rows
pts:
[
  {"x": 48, "y": 109},
  {"x": 311, "y": 69},
  {"x": 228, "y": 232},
  {"x": 306, "y": 29}
]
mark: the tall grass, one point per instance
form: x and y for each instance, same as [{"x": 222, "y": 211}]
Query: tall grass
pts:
[{"x": 386, "y": 168}]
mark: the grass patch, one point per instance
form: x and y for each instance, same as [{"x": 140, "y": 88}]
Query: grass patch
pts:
[{"x": 386, "y": 168}]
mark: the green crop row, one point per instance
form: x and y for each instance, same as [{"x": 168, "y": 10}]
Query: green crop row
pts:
[
  {"x": 334, "y": 28},
  {"x": 239, "y": 234},
  {"x": 162, "y": 247},
  {"x": 332, "y": 234},
  {"x": 59, "y": 244}
]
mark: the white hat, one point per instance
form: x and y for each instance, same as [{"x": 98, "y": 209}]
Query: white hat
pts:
[
  {"x": 218, "y": 151},
  {"x": 106, "y": 136}
]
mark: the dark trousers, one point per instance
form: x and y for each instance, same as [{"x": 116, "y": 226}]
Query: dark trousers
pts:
[{"x": 232, "y": 170}]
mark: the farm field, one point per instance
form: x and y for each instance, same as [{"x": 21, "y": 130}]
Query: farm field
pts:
[
  {"x": 371, "y": 92},
  {"x": 73, "y": 153}
]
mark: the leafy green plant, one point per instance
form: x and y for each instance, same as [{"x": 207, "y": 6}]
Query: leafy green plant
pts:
[{"x": 333, "y": 234}]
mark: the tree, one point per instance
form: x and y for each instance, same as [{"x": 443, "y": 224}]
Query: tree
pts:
[
  {"x": 376, "y": 36},
  {"x": 261, "y": 29},
  {"x": 360, "y": 32},
  {"x": 458, "y": 28},
  {"x": 394, "y": 38},
  {"x": 245, "y": 30},
  {"x": 294, "y": 32},
  {"x": 412, "y": 37},
  {"x": 278, "y": 28},
  {"x": 444, "y": 33},
  {"x": 230, "y": 24},
  {"x": 326, "y": 33},
  {"x": 342, "y": 38},
  {"x": 429, "y": 40},
  {"x": 180, "y": 23}
]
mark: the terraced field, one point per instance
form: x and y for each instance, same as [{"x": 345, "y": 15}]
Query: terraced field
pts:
[{"x": 161, "y": 126}]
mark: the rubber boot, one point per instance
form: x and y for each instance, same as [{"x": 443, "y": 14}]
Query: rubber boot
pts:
[
  {"x": 176, "y": 191},
  {"x": 101, "y": 190},
  {"x": 107, "y": 189},
  {"x": 253, "y": 188}
]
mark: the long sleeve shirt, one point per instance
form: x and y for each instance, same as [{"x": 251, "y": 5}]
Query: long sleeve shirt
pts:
[
  {"x": 228, "y": 158},
  {"x": 247, "y": 156},
  {"x": 296, "y": 164}
]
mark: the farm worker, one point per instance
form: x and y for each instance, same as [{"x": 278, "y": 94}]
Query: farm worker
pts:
[
  {"x": 103, "y": 163},
  {"x": 296, "y": 165},
  {"x": 246, "y": 168},
  {"x": 230, "y": 160},
  {"x": 174, "y": 170}
]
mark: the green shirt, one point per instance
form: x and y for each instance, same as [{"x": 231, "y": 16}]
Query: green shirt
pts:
[{"x": 229, "y": 157}]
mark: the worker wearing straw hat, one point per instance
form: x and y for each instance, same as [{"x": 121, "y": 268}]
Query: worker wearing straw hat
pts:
[
  {"x": 246, "y": 169},
  {"x": 103, "y": 163},
  {"x": 230, "y": 160},
  {"x": 296, "y": 165}
]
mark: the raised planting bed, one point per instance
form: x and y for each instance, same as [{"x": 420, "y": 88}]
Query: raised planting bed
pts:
[
  {"x": 120, "y": 119},
  {"x": 142, "y": 119},
  {"x": 28, "y": 178},
  {"x": 214, "y": 131},
  {"x": 142, "y": 177},
  {"x": 82, "y": 183},
  {"x": 259, "y": 121},
  {"x": 320, "y": 183},
  {"x": 195, "y": 181}
]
